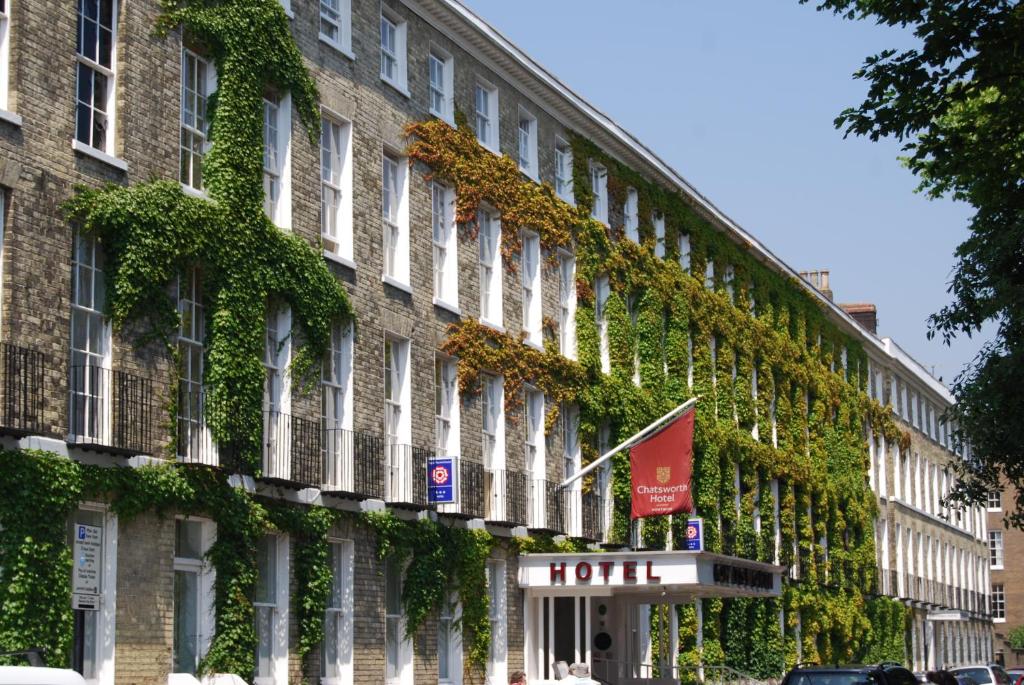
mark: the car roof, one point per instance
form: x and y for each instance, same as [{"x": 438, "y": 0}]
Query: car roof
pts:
[
  {"x": 855, "y": 668},
  {"x": 39, "y": 675}
]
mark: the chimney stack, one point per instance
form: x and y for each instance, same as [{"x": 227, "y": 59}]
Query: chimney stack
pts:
[
  {"x": 865, "y": 314},
  {"x": 818, "y": 279}
]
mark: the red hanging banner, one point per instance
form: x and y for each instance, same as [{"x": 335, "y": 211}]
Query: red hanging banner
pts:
[{"x": 660, "y": 468}]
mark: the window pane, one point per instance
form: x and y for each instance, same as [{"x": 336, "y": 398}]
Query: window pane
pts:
[
  {"x": 266, "y": 566},
  {"x": 188, "y": 539},
  {"x": 186, "y": 621}
]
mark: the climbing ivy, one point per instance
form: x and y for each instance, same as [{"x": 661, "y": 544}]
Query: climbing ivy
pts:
[
  {"x": 35, "y": 561},
  {"x": 153, "y": 232},
  {"x": 440, "y": 559},
  {"x": 782, "y": 403}
]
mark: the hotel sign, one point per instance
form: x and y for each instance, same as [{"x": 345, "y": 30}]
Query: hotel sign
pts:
[{"x": 701, "y": 574}]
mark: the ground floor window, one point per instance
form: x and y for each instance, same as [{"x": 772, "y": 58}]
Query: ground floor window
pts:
[
  {"x": 270, "y": 608},
  {"x": 449, "y": 642},
  {"x": 193, "y": 594},
  {"x": 336, "y": 661},
  {"x": 497, "y": 666},
  {"x": 397, "y": 649}
]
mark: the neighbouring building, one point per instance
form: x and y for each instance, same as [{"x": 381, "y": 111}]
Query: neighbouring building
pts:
[
  {"x": 588, "y": 281},
  {"x": 1005, "y": 544},
  {"x": 933, "y": 557}
]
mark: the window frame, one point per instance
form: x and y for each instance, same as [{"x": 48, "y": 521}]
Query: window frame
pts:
[
  {"x": 998, "y": 603},
  {"x": 658, "y": 220},
  {"x": 191, "y": 344},
  {"x": 209, "y": 85},
  {"x": 447, "y": 85},
  {"x": 685, "y": 261},
  {"x": 450, "y": 615},
  {"x": 526, "y": 143},
  {"x": 336, "y": 398},
  {"x": 631, "y": 215},
  {"x": 491, "y": 268},
  {"x": 395, "y": 226},
  {"x": 343, "y": 614},
  {"x": 446, "y": 406},
  {"x": 602, "y": 292},
  {"x": 567, "y": 304},
  {"x": 997, "y": 497},
  {"x": 5, "y": 58},
  {"x": 445, "y": 243},
  {"x": 996, "y": 550},
  {"x": 278, "y": 210},
  {"x": 531, "y": 289},
  {"x": 492, "y": 432},
  {"x": 563, "y": 163},
  {"x": 341, "y": 245},
  {"x": 397, "y": 53},
  {"x": 404, "y": 648},
  {"x": 497, "y": 657},
  {"x": 109, "y": 72},
  {"x": 98, "y": 399},
  {"x": 204, "y": 588},
  {"x": 343, "y": 25},
  {"x": 279, "y": 615},
  {"x": 491, "y": 117},
  {"x": 599, "y": 190}
]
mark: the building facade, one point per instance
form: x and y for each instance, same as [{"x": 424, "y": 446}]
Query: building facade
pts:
[
  {"x": 1005, "y": 543},
  {"x": 90, "y": 95},
  {"x": 934, "y": 558}
]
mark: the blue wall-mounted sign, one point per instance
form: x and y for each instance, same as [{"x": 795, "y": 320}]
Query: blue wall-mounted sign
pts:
[
  {"x": 695, "y": 535},
  {"x": 441, "y": 480}
]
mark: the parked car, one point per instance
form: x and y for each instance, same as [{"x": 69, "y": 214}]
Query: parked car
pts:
[
  {"x": 1016, "y": 675},
  {"x": 39, "y": 675},
  {"x": 36, "y": 673},
  {"x": 881, "y": 674},
  {"x": 984, "y": 674}
]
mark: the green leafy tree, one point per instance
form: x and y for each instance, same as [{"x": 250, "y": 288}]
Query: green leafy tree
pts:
[
  {"x": 956, "y": 102},
  {"x": 1016, "y": 638}
]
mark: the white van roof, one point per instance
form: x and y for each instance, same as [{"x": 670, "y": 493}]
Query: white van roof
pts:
[{"x": 38, "y": 675}]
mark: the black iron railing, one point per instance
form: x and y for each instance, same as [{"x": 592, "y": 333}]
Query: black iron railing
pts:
[
  {"x": 21, "y": 405},
  {"x": 471, "y": 489},
  {"x": 592, "y": 506},
  {"x": 545, "y": 506},
  {"x": 353, "y": 463},
  {"x": 112, "y": 409},
  {"x": 506, "y": 496},
  {"x": 306, "y": 449},
  {"x": 291, "y": 448},
  {"x": 194, "y": 439}
]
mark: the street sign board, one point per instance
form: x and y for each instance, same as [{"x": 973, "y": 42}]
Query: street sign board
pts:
[
  {"x": 441, "y": 480},
  {"x": 695, "y": 535},
  {"x": 87, "y": 574}
]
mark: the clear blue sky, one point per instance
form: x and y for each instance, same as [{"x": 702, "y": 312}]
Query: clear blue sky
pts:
[{"x": 739, "y": 96}]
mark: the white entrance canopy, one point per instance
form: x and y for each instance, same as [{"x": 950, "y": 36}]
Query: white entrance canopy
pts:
[
  {"x": 675, "y": 577},
  {"x": 598, "y": 607}
]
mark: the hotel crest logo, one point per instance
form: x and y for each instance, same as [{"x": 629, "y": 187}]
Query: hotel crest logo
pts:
[{"x": 663, "y": 474}]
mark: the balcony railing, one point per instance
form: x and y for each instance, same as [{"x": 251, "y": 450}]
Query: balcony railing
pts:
[
  {"x": 471, "y": 489},
  {"x": 291, "y": 448},
  {"x": 353, "y": 463},
  {"x": 194, "y": 439},
  {"x": 506, "y": 496},
  {"x": 21, "y": 404},
  {"x": 545, "y": 506},
  {"x": 405, "y": 474},
  {"x": 111, "y": 409}
]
